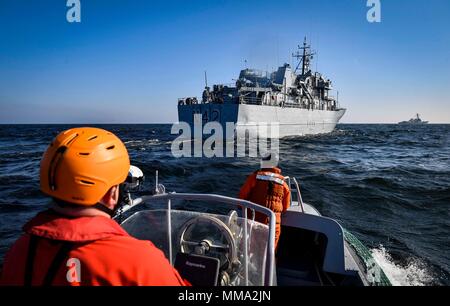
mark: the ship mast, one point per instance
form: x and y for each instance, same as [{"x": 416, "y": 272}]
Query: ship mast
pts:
[{"x": 304, "y": 57}]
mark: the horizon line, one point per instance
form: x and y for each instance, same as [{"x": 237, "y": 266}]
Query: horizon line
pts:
[{"x": 168, "y": 123}]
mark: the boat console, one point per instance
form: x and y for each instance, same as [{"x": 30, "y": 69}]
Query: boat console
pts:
[{"x": 227, "y": 249}]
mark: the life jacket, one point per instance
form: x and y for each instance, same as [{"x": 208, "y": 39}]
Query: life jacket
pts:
[
  {"x": 267, "y": 187},
  {"x": 58, "y": 250}
]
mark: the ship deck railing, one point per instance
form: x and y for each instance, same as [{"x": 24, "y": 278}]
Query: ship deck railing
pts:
[
  {"x": 250, "y": 100},
  {"x": 226, "y": 85},
  {"x": 258, "y": 101},
  {"x": 188, "y": 101}
]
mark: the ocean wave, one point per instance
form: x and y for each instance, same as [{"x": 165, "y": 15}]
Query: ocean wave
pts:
[
  {"x": 379, "y": 181},
  {"x": 14, "y": 207},
  {"x": 135, "y": 143},
  {"x": 414, "y": 273}
]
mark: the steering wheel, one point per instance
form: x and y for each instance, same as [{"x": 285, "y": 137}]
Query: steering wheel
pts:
[{"x": 207, "y": 235}]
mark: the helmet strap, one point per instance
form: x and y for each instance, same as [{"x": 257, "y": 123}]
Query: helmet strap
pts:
[
  {"x": 116, "y": 212},
  {"x": 122, "y": 200},
  {"x": 103, "y": 208},
  {"x": 99, "y": 206}
]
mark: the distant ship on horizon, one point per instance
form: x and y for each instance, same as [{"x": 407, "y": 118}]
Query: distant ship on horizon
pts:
[{"x": 414, "y": 121}]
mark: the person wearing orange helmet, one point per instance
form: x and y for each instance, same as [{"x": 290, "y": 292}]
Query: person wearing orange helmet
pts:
[
  {"x": 268, "y": 188},
  {"x": 76, "y": 242}
]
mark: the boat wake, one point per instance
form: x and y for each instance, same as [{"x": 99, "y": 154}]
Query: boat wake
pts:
[{"x": 414, "y": 273}]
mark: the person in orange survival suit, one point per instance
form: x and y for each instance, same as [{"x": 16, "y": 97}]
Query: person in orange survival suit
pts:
[
  {"x": 267, "y": 187},
  {"x": 76, "y": 242}
]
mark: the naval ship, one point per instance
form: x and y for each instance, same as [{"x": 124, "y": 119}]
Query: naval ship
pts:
[
  {"x": 297, "y": 100},
  {"x": 414, "y": 121}
]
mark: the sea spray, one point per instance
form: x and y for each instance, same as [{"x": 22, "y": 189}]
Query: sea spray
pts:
[{"x": 414, "y": 273}]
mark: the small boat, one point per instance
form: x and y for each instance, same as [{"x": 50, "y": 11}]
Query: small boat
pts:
[
  {"x": 214, "y": 240},
  {"x": 414, "y": 121}
]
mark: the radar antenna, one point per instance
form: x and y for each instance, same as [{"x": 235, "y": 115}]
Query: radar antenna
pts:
[{"x": 304, "y": 55}]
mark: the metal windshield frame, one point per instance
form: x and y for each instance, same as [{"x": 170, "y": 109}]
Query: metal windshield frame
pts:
[{"x": 270, "y": 261}]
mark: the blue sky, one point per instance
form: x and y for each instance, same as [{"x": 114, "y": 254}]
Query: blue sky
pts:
[{"x": 129, "y": 61}]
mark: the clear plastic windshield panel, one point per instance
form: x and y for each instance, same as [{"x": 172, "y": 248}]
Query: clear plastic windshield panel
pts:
[{"x": 242, "y": 261}]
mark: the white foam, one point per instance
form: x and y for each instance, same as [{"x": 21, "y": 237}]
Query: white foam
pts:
[
  {"x": 142, "y": 142},
  {"x": 415, "y": 273}
]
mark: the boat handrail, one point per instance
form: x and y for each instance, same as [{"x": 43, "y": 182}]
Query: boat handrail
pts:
[
  {"x": 299, "y": 195},
  {"x": 295, "y": 191}
]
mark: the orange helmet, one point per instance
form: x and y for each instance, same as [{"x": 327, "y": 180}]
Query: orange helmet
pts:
[{"x": 82, "y": 164}]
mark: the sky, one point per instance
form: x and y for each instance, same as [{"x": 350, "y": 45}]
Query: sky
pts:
[{"x": 129, "y": 61}]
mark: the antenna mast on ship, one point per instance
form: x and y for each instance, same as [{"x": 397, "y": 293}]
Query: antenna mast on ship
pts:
[{"x": 304, "y": 57}]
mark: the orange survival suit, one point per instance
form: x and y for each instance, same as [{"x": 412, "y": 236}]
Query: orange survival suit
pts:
[
  {"x": 59, "y": 250},
  {"x": 267, "y": 187}
]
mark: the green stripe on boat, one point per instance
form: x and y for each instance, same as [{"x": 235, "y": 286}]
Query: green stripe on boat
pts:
[{"x": 375, "y": 275}]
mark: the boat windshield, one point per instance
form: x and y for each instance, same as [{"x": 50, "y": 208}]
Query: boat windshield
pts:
[{"x": 242, "y": 247}]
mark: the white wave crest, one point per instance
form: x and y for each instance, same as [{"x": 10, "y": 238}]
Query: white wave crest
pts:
[
  {"x": 414, "y": 273},
  {"x": 142, "y": 142}
]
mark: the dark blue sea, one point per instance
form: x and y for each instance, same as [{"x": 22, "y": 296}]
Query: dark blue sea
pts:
[{"x": 388, "y": 184}]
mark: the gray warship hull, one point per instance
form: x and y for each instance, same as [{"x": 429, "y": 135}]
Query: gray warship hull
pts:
[{"x": 291, "y": 121}]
